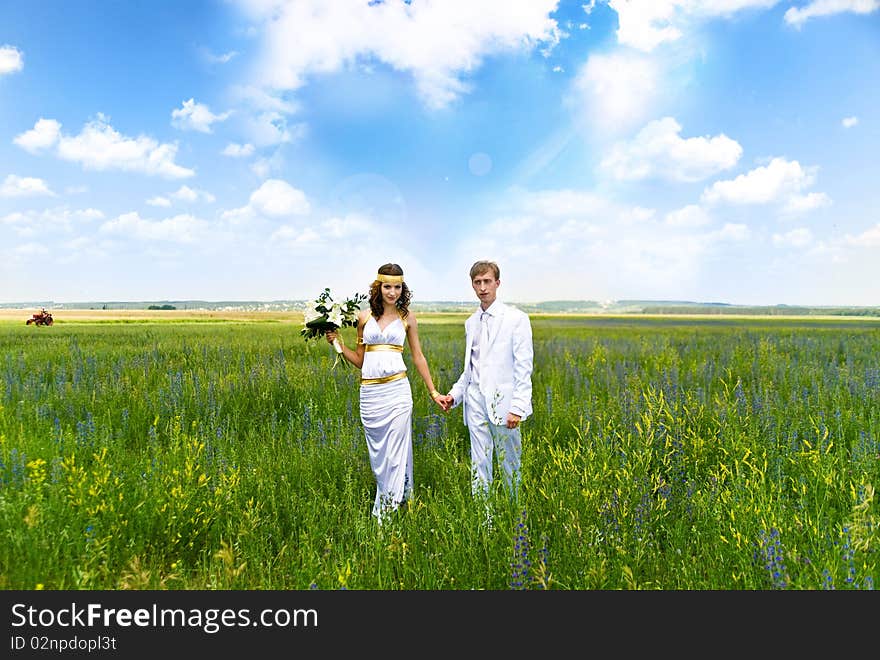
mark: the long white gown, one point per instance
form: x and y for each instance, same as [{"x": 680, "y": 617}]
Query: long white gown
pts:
[{"x": 386, "y": 413}]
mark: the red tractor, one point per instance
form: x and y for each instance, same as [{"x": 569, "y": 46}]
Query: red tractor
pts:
[{"x": 43, "y": 318}]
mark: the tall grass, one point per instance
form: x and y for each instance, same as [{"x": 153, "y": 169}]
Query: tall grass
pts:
[{"x": 662, "y": 454}]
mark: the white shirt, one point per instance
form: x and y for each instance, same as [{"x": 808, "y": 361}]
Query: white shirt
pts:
[{"x": 485, "y": 326}]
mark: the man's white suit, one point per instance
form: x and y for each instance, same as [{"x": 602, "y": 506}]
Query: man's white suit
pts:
[
  {"x": 505, "y": 365},
  {"x": 505, "y": 386}
]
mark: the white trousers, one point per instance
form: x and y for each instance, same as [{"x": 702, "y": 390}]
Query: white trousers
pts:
[{"x": 487, "y": 438}]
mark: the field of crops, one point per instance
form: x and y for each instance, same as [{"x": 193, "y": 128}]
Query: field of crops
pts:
[{"x": 664, "y": 453}]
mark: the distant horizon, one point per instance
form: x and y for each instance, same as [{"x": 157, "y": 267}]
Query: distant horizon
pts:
[{"x": 298, "y": 301}]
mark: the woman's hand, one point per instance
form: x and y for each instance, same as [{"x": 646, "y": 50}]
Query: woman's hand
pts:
[
  {"x": 330, "y": 336},
  {"x": 444, "y": 401}
]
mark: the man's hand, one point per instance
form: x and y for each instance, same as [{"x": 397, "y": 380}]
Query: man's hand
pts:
[
  {"x": 512, "y": 420},
  {"x": 445, "y": 401}
]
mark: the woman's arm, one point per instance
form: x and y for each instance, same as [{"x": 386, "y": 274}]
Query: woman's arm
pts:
[
  {"x": 356, "y": 357},
  {"x": 419, "y": 359}
]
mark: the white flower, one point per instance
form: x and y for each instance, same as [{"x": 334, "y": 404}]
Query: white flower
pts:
[
  {"x": 311, "y": 314},
  {"x": 335, "y": 315},
  {"x": 326, "y": 314}
]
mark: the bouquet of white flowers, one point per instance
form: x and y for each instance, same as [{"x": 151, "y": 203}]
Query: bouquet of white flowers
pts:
[{"x": 324, "y": 315}]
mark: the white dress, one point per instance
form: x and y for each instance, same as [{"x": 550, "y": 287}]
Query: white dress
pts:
[{"x": 386, "y": 413}]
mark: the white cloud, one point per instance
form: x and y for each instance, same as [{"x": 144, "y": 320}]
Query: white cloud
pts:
[
  {"x": 31, "y": 223},
  {"x": 263, "y": 100},
  {"x": 518, "y": 226},
  {"x": 196, "y": 117},
  {"x": 223, "y": 58},
  {"x": 561, "y": 203},
  {"x": 849, "y": 122},
  {"x": 348, "y": 226},
  {"x": 732, "y": 231},
  {"x": 867, "y": 239},
  {"x": 796, "y": 238},
  {"x": 659, "y": 151},
  {"x": 234, "y": 150},
  {"x": 436, "y": 42},
  {"x": 20, "y": 224},
  {"x": 183, "y": 194},
  {"x": 688, "y": 216},
  {"x": 277, "y": 198},
  {"x": 780, "y": 181},
  {"x": 43, "y": 135},
  {"x": 805, "y": 203},
  {"x": 177, "y": 229},
  {"x": 261, "y": 167},
  {"x": 79, "y": 243},
  {"x": 797, "y": 16},
  {"x": 615, "y": 91},
  {"x": 264, "y": 116},
  {"x": 191, "y": 195},
  {"x": 31, "y": 250},
  {"x": 273, "y": 199},
  {"x": 84, "y": 250},
  {"x": 238, "y": 216},
  {"x": 24, "y": 186},
  {"x": 637, "y": 215},
  {"x": 16, "y": 218},
  {"x": 332, "y": 229},
  {"x": 270, "y": 128},
  {"x": 570, "y": 237},
  {"x": 645, "y": 24},
  {"x": 11, "y": 59},
  {"x": 292, "y": 237},
  {"x": 100, "y": 147},
  {"x": 588, "y": 246}
]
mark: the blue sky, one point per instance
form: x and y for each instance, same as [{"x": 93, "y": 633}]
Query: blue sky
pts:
[{"x": 265, "y": 149}]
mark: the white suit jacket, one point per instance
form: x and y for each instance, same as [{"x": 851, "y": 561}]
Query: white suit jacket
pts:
[{"x": 505, "y": 364}]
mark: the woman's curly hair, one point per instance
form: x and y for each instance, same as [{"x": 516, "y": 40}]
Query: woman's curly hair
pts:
[{"x": 377, "y": 308}]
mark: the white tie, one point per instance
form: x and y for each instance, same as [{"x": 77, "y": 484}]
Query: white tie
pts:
[
  {"x": 484, "y": 332},
  {"x": 479, "y": 348}
]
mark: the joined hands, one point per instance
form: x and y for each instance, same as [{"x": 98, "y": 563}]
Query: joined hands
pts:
[{"x": 445, "y": 401}]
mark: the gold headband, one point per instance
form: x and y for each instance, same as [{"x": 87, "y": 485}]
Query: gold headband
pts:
[{"x": 389, "y": 279}]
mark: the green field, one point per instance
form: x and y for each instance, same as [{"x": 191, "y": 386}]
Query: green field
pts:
[{"x": 663, "y": 453}]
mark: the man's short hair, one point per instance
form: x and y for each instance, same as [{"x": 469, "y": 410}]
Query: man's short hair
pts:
[{"x": 481, "y": 267}]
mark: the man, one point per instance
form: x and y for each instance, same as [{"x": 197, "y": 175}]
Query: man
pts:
[{"x": 495, "y": 388}]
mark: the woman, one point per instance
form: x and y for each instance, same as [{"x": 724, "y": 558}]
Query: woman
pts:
[{"x": 385, "y": 396}]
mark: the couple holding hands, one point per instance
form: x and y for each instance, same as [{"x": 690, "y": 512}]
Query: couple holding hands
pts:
[{"x": 494, "y": 389}]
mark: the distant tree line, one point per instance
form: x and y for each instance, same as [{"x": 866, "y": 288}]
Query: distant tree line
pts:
[
  {"x": 777, "y": 310},
  {"x": 162, "y": 307}
]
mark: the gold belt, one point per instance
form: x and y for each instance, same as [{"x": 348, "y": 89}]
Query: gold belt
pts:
[
  {"x": 383, "y": 347},
  {"x": 383, "y": 379}
]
